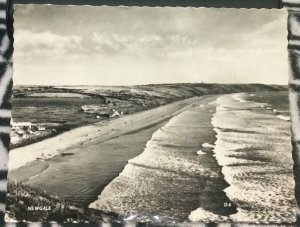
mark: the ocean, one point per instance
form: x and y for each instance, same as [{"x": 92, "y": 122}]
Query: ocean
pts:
[
  {"x": 227, "y": 158},
  {"x": 253, "y": 147},
  {"x": 236, "y": 166}
]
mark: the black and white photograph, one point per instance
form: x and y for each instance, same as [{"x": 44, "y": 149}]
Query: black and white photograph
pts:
[{"x": 150, "y": 114}]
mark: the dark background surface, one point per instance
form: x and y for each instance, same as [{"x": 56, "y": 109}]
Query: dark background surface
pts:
[
  {"x": 184, "y": 3},
  {"x": 193, "y": 3}
]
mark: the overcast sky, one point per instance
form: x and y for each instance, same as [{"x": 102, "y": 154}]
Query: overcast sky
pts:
[{"x": 73, "y": 45}]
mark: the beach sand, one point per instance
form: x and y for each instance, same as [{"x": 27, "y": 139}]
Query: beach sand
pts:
[
  {"x": 163, "y": 165},
  {"x": 96, "y": 133},
  {"x": 94, "y": 155},
  {"x": 171, "y": 177}
]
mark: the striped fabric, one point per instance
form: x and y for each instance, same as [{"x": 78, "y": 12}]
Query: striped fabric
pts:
[
  {"x": 293, "y": 7},
  {"x": 5, "y": 104},
  {"x": 6, "y": 87}
]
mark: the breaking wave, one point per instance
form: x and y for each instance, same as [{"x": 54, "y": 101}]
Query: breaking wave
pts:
[
  {"x": 169, "y": 179},
  {"x": 254, "y": 149},
  {"x": 230, "y": 151}
]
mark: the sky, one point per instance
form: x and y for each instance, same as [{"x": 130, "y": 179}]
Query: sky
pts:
[{"x": 89, "y": 45}]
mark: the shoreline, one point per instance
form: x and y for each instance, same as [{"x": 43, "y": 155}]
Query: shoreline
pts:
[
  {"x": 168, "y": 162},
  {"x": 255, "y": 159},
  {"x": 128, "y": 99},
  {"x": 102, "y": 132},
  {"x": 85, "y": 134},
  {"x": 171, "y": 110},
  {"x": 206, "y": 183},
  {"x": 62, "y": 128}
]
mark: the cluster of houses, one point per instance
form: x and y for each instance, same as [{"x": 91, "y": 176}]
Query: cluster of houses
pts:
[
  {"x": 25, "y": 129},
  {"x": 106, "y": 111}
]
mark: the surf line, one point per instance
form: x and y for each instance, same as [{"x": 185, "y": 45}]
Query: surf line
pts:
[
  {"x": 243, "y": 151},
  {"x": 168, "y": 150},
  {"x": 219, "y": 207}
]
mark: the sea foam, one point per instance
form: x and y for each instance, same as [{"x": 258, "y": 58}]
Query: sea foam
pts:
[
  {"x": 253, "y": 147},
  {"x": 282, "y": 117},
  {"x": 168, "y": 179},
  {"x": 208, "y": 145}
]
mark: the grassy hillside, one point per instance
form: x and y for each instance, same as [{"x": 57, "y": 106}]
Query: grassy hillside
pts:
[
  {"x": 29, "y": 204},
  {"x": 59, "y": 108},
  {"x": 144, "y": 95}
]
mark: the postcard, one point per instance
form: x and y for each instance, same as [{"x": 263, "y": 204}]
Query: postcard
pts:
[{"x": 150, "y": 114}]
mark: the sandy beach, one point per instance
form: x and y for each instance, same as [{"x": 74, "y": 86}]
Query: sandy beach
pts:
[
  {"x": 134, "y": 167},
  {"x": 93, "y": 156},
  {"x": 147, "y": 115},
  {"x": 96, "y": 133},
  {"x": 177, "y": 177},
  {"x": 175, "y": 174}
]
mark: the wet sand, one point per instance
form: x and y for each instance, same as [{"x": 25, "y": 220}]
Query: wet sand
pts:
[
  {"x": 96, "y": 153},
  {"x": 172, "y": 173},
  {"x": 96, "y": 133},
  {"x": 171, "y": 178}
]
